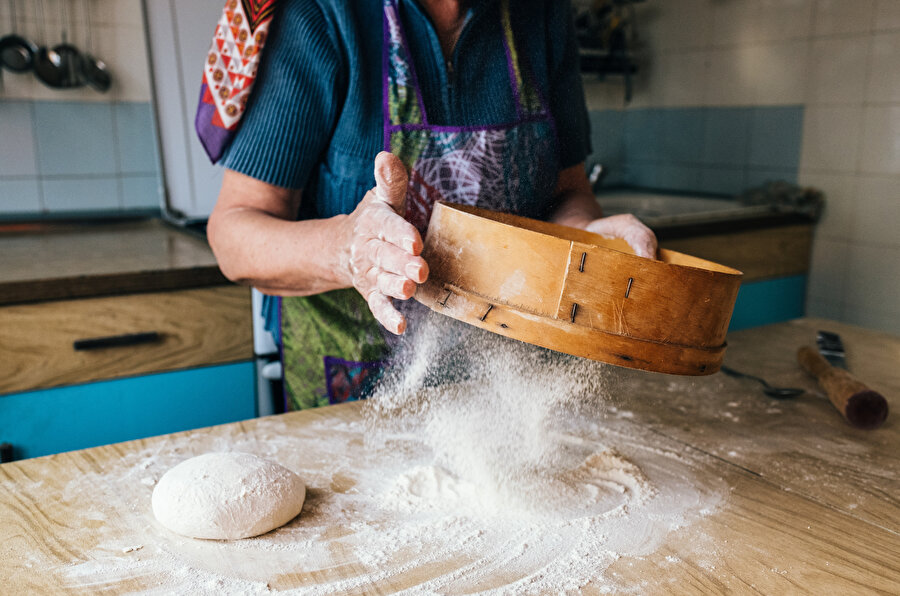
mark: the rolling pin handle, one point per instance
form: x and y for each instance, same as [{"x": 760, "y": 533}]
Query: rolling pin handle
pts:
[{"x": 859, "y": 405}]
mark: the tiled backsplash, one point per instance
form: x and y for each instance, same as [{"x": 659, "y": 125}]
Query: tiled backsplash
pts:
[
  {"x": 715, "y": 150},
  {"x": 831, "y": 63},
  {"x": 65, "y": 156},
  {"x": 117, "y": 38},
  {"x": 78, "y": 150}
]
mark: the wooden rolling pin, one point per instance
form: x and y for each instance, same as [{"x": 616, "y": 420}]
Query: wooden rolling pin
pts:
[{"x": 859, "y": 405}]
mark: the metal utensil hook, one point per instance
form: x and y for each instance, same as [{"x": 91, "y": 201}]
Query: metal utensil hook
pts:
[
  {"x": 89, "y": 25},
  {"x": 42, "y": 21},
  {"x": 87, "y": 21},
  {"x": 93, "y": 70},
  {"x": 65, "y": 22}
]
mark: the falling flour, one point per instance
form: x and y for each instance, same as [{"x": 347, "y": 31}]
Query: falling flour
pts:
[
  {"x": 495, "y": 414},
  {"x": 481, "y": 465}
]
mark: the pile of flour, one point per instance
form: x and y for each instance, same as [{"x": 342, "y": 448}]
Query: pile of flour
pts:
[
  {"x": 482, "y": 465},
  {"x": 495, "y": 413}
]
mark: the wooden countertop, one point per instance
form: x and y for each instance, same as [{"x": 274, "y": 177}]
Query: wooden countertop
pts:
[
  {"x": 60, "y": 261},
  {"x": 810, "y": 504}
]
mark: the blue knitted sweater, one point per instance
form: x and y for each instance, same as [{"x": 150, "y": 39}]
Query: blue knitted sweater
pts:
[{"x": 315, "y": 118}]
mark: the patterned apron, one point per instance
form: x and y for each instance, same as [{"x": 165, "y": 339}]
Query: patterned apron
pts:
[{"x": 333, "y": 349}]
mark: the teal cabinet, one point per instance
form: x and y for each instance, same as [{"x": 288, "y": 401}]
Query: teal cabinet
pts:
[
  {"x": 76, "y": 417},
  {"x": 769, "y": 301}
]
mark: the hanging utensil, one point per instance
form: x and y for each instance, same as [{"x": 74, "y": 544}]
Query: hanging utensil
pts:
[
  {"x": 16, "y": 52},
  {"x": 59, "y": 67},
  {"x": 46, "y": 61},
  {"x": 94, "y": 71}
]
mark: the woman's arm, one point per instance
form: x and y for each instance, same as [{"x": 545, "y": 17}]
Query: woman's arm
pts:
[
  {"x": 257, "y": 242},
  {"x": 253, "y": 235},
  {"x": 578, "y": 208}
]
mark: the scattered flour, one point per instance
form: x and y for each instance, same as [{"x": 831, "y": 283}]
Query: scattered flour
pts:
[{"x": 509, "y": 478}]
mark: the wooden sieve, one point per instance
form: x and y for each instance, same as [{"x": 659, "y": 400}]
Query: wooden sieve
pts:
[{"x": 577, "y": 292}]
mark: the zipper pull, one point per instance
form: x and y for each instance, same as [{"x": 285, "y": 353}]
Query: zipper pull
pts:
[{"x": 450, "y": 74}]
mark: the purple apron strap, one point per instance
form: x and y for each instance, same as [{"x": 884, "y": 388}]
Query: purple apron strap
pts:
[{"x": 395, "y": 40}]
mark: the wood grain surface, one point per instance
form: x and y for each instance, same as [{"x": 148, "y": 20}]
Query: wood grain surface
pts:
[
  {"x": 810, "y": 503},
  {"x": 802, "y": 445},
  {"x": 196, "y": 327}
]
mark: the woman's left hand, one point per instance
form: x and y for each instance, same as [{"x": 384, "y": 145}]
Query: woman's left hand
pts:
[
  {"x": 578, "y": 208},
  {"x": 629, "y": 228}
]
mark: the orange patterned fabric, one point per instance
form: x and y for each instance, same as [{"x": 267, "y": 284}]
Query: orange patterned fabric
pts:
[{"x": 230, "y": 70}]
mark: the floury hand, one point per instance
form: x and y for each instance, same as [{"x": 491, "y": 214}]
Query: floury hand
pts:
[{"x": 382, "y": 256}]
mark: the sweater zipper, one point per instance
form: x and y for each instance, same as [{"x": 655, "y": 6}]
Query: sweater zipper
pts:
[
  {"x": 451, "y": 60},
  {"x": 451, "y": 74}
]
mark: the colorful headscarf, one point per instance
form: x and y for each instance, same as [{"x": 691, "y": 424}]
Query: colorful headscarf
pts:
[{"x": 230, "y": 71}]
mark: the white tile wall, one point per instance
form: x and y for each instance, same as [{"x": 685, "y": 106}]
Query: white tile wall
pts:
[
  {"x": 778, "y": 73},
  {"x": 831, "y": 137},
  {"x": 843, "y": 16},
  {"x": 829, "y": 259},
  {"x": 691, "y": 30},
  {"x": 117, "y": 39},
  {"x": 887, "y": 14},
  {"x": 877, "y": 202},
  {"x": 880, "y": 149},
  {"x": 841, "y": 60},
  {"x": 41, "y": 128},
  {"x": 735, "y": 23},
  {"x": 840, "y": 212},
  {"x": 730, "y": 79},
  {"x": 869, "y": 284},
  {"x": 838, "y": 70},
  {"x": 780, "y": 20},
  {"x": 682, "y": 78},
  {"x": 884, "y": 74}
]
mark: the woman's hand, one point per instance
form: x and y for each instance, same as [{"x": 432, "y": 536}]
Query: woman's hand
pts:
[
  {"x": 630, "y": 229},
  {"x": 381, "y": 255},
  {"x": 257, "y": 241},
  {"x": 578, "y": 208}
]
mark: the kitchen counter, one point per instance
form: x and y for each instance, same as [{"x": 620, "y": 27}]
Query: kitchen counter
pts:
[
  {"x": 808, "y": 504},
  {"x": 57, "y": 261},
  {"x": 673, "y": 216},
  {"x": 172, "y": 338}
]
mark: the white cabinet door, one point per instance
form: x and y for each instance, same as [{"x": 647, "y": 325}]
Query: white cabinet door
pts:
[{"x": 179, "y": 36}]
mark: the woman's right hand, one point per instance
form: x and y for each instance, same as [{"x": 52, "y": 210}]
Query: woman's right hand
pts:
[{"x": 381, "y": 256}]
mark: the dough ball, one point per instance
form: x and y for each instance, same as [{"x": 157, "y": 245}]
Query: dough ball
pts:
[{"x": 227, "y": 496}]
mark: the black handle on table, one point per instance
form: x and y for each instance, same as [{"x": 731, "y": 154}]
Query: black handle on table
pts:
[
  {"x": 6, "y": 453},
  {"x": 117, "y": 341}
]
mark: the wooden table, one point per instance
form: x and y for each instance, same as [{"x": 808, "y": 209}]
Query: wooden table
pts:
[{"x": 811, "y": 505}]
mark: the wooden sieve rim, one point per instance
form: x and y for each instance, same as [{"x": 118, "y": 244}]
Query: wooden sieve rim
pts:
[{"x": 667, "y": 257}]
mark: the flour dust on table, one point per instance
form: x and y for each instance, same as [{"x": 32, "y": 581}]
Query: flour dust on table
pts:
[
  {"x": 496, "y": 415},
  {"x": 492, "y": 469}
]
